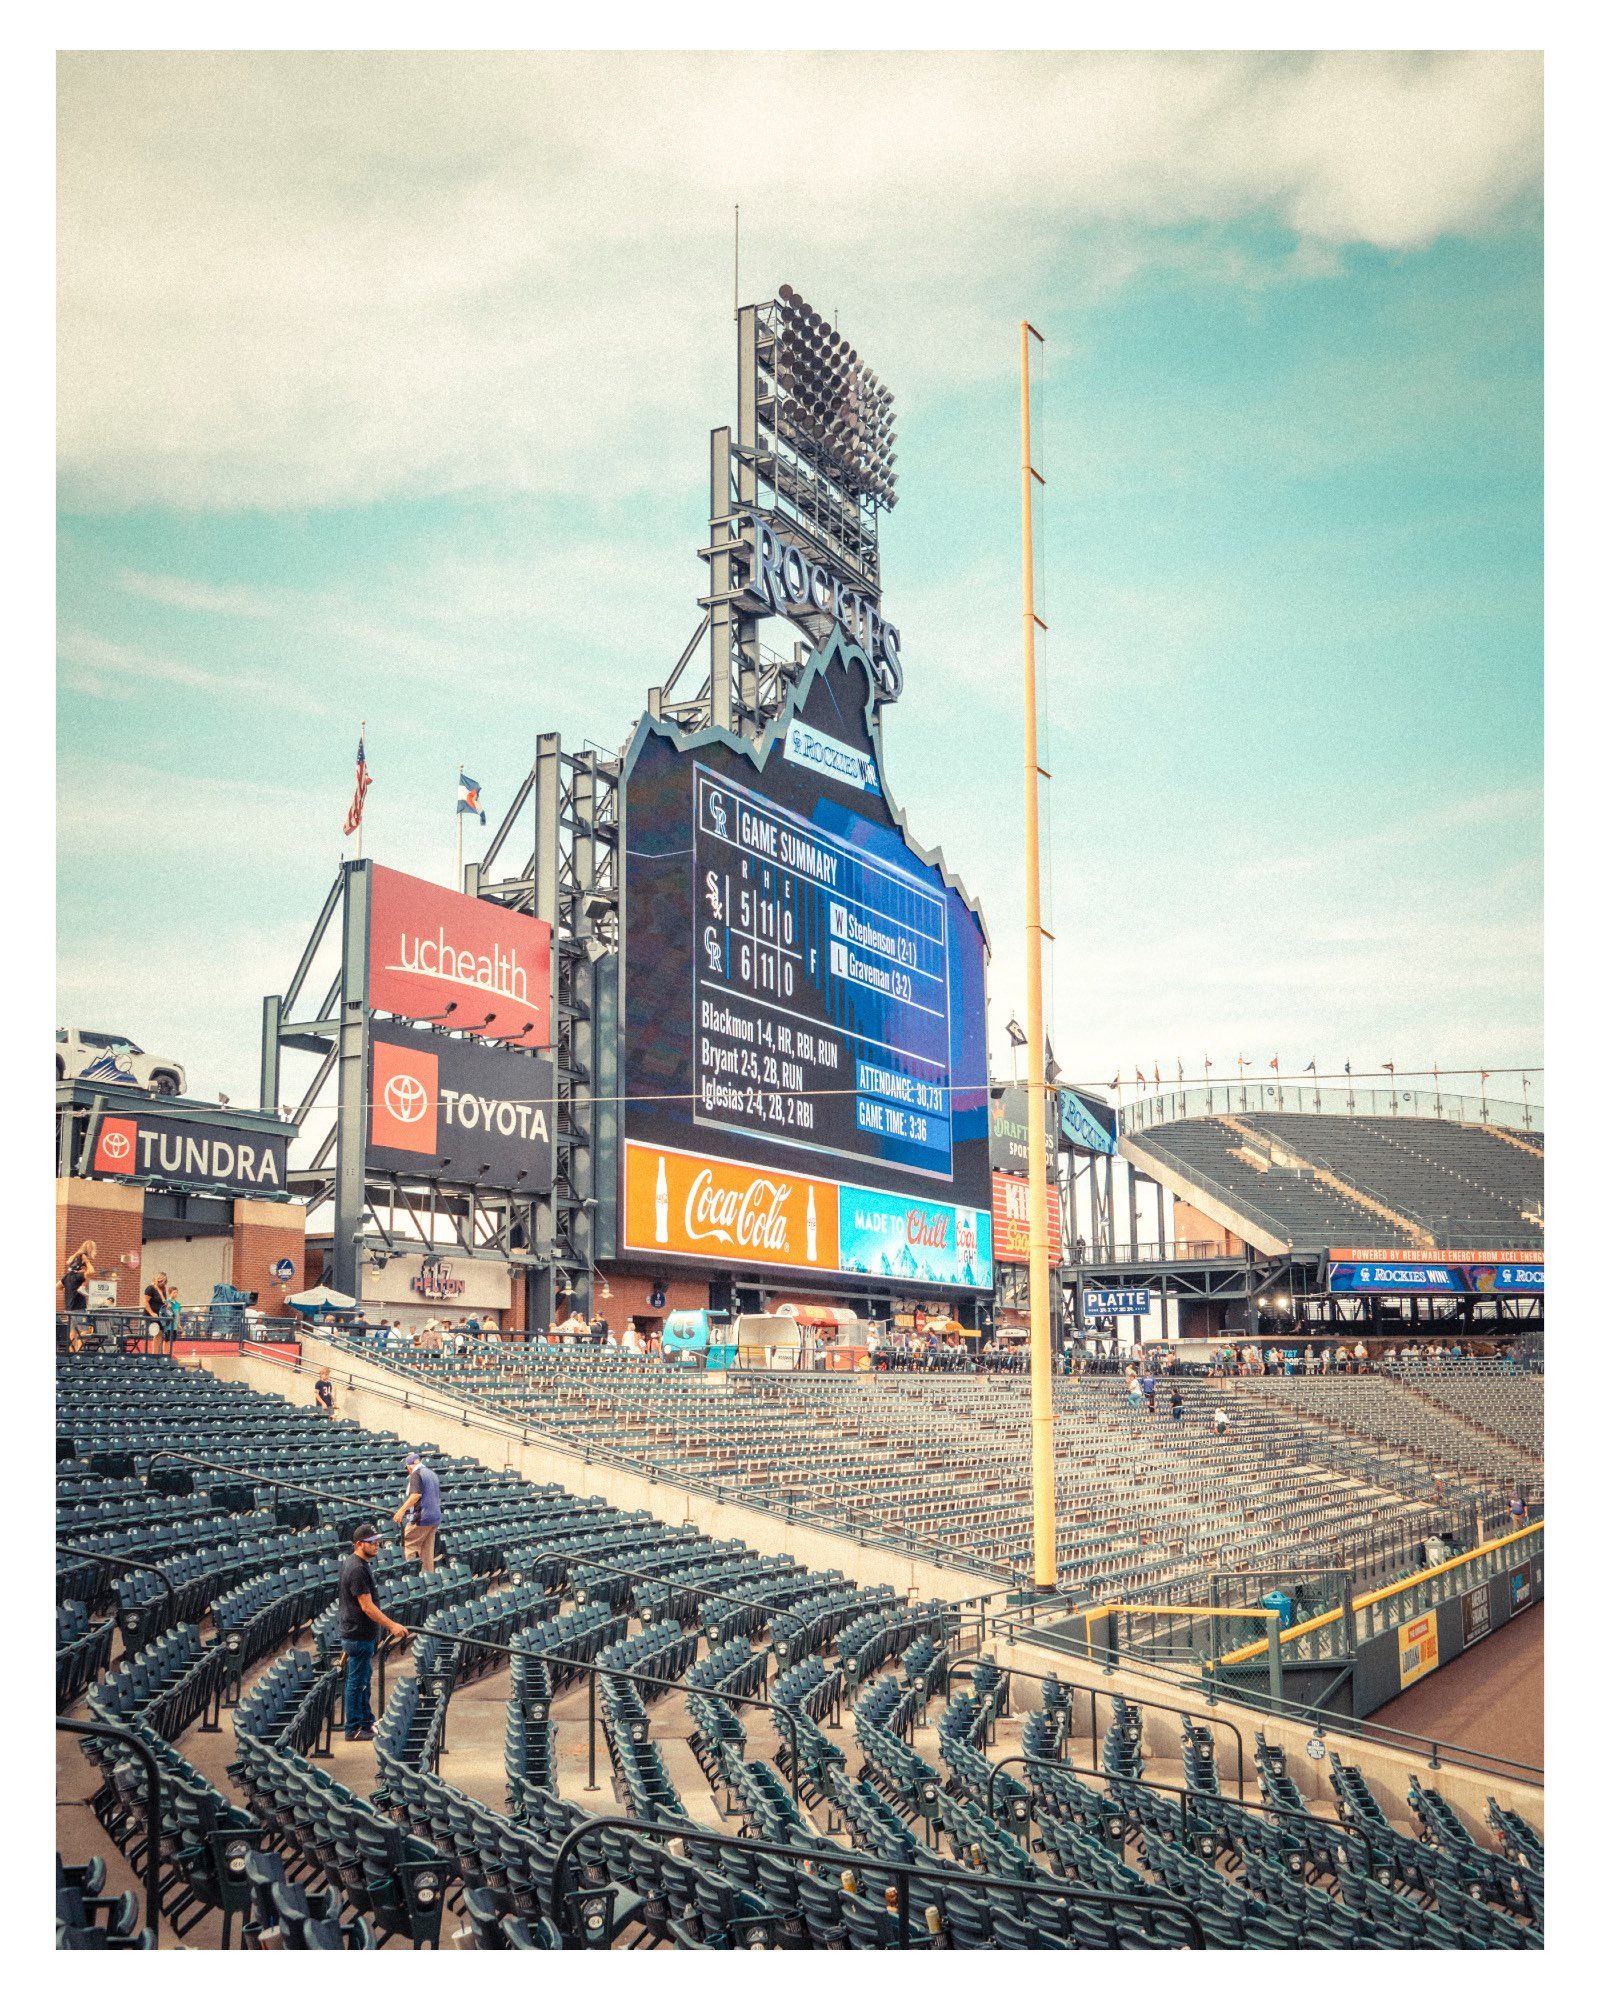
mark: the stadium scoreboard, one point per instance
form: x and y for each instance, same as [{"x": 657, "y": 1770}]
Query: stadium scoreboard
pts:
[
  {"x": 805, "y": 1054},
  {"x": 821, "y": 994}
]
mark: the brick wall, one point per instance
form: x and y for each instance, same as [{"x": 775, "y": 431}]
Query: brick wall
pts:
[
  {"x": 113, "y": 1216},
  {"x": 630, "y": 1297},
  {"x": 264, "y": 1232},
  {"x": 1191, "y": 1225}
]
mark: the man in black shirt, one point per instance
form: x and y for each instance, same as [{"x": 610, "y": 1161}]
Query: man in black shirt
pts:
[{"x": 359, "y": 1623}]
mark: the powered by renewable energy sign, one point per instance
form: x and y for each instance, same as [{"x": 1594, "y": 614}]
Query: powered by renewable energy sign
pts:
[{"x": 1104, "y": 1300}]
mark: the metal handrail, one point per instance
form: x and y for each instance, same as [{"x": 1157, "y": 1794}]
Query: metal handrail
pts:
[
  {"x": 1370, "y": 1597},
  {"x": 1321, "y": 1721},
  {"x": 152, "y": 1773},
  {"x": 904, "y": 1872},
  {"x": 1336, "y": 1829},
  {"x": 718, "y": 1596},
  {"x": 970, "y": 1667},
  {"x": 122, "y": 1562},
  {"x": 712, "y": 1595},
  {"x": 593, "y": 1669},
  {"x": 1378, "y": 1101}
]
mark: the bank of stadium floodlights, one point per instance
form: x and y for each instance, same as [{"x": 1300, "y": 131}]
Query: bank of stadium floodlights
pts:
[
  {"x": 829, "y": 408},
  {"x": 813, "y": 454}
]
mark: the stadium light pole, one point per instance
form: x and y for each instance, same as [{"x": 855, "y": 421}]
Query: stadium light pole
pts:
[{"x": 1039, "y": 1356}]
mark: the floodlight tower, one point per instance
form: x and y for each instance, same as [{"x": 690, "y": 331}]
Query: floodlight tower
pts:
[{"x": 813, "y": 455}]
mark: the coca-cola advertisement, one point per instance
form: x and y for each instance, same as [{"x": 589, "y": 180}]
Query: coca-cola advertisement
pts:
[
  {"x": 692, "y": 1205},
  {"x": 439, "y": 956}
]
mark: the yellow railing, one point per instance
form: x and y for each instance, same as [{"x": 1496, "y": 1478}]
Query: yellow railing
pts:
[{"x": 1369, "y": 1597}]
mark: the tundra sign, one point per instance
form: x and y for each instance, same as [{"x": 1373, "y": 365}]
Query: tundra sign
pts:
[
  {"x": 184, "y": 1153},
  {"x": 459, "y": 1113}
]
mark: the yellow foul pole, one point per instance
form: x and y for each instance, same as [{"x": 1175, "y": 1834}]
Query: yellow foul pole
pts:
[{"x": 1040, "y": 1358}]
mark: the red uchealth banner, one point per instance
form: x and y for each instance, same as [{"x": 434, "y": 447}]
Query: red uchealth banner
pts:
[{"x": 433, "y": 949}]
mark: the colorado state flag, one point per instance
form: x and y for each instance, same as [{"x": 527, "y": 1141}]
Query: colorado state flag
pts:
[{"x": 467, "y": 798}]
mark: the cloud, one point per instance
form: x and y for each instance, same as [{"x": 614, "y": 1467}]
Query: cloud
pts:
[
  {"x": 1426, "y": 833},
  {"x": 179, "y": 593},
  {"x": 291, "y": 280},
  {"x": 116, "y": 670}
]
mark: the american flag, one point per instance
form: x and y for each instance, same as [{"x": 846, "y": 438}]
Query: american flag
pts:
[{"x": 352, "y": 818}]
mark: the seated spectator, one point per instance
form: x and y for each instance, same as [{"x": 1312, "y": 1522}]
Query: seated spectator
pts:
[{"x": 1219, "y": 1421}]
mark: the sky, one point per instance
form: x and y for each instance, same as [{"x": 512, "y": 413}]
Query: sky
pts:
[{"x": 384, "y": 390}]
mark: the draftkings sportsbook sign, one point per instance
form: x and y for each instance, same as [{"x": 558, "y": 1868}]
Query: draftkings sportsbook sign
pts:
[{"x": 459, "y": 1112}]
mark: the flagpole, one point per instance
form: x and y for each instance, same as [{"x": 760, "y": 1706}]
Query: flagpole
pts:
[
  {"x": 461, "y": 771},
  {"x": 360, "y": 823}
]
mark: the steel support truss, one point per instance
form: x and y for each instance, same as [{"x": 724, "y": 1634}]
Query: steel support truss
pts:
[
  {"x": 366, "y": 1218},
  {"x": 572, "y": 878}
]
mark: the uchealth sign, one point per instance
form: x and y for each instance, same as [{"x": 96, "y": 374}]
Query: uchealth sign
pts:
[
  {"x": 446, "y": 1109},
  {"x": 184, "y": 1153},
  {"x": 433, "y": 949},
  {"x": 693, "y": 1205}
]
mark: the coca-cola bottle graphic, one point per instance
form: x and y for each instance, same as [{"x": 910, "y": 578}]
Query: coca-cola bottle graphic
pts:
[
  {"x": 661, "y": 1198},
  {"x": 811, "y": 1225}
]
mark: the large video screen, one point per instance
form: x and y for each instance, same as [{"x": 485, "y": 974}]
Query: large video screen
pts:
[{"x": 803, "y": 991}]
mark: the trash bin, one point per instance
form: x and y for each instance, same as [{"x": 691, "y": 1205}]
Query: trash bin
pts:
[{"x": 1281, "y": 1602}]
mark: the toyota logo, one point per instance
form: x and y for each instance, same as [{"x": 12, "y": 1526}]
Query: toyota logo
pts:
[
  {"x": 116, "y": 1145},
  {"x": 405, "y": 1099}
]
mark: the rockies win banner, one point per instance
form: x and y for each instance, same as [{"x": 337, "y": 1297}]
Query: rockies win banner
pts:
[{"x": 459, "y": 1112}]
